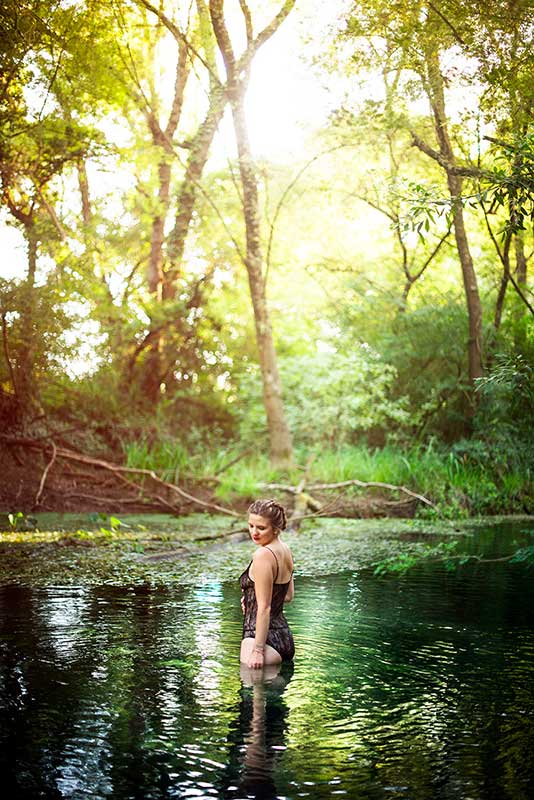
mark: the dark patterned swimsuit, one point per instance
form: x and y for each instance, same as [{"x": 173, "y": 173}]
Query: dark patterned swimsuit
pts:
[{"x": 279, "y": 635}]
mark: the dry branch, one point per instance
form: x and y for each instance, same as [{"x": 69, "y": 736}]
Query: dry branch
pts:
[
  {"x": 232, "y": 535},
  {"x": 110, "y": 501},
  {"x": 355, "y": 482},
  {"x": 231, "y": 463},
  {"x": 45, "y": 474}
]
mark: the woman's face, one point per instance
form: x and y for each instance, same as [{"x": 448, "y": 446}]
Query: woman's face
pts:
[{"x": 261, "y": 529}]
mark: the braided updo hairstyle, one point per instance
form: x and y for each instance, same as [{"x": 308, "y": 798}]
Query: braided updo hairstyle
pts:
[{"x": 272, "y": 511}]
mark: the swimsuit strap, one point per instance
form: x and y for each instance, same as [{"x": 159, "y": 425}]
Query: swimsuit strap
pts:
[{"x": 275, "y": 558}]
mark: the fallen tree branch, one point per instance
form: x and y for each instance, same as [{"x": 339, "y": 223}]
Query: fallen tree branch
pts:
[
  {"x": 219, "y": 540},
  {"x": 323, "y": 511},
  {"x": 377, "y": 485},
  {"x": 150, "y": 496},
  {"x": 45, "y": 474},
  {"x": 110, "y": 501},
  {"x": 355, "y": 482}
]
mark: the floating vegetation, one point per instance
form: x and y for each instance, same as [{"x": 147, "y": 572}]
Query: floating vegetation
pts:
[{"x": 160, "y": 549}]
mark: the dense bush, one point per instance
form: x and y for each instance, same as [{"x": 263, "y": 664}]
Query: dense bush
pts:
[{"x": 330, "y": 398}]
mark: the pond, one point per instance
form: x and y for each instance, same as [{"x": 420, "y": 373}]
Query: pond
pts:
[{"x": 417, "y": 686}]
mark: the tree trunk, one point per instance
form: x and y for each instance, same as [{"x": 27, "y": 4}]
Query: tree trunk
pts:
[
  {"x": 163, "y": 139},
  {"x": 162, "y": 356},
  {"x": 155, "y": 261},
  {"x": 454, "y": 181},
  {"x": 199, "y": 150},
  {"x": 281, "y": 446},
  {"x": 25, "y": 378},
  {"x": 501, "y": 295},
  {"x": 280, "y": 441},
  {"x": 520, "y": 259},
  {"x": 474, "y": 306},
  {"x": 154, "y": 366},
  {"x": 520, "y": 331},
  {"x": 83, "y": 185}
]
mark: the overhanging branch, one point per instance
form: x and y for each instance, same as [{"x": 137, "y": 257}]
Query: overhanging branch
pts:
[{"x": 448, "y": 166}]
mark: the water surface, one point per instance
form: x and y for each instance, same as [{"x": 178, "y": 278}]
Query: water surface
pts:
[{"x": 419, "y": 687}]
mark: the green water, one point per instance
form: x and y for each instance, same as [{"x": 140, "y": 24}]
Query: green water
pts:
[{"x": 420, "y": 686}]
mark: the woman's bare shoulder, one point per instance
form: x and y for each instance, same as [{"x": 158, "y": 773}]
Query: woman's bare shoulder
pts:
[
  {"x": 287, "y": 555},
  {"x": 287, "y": 549},
  {"x": 263, "y": 556}
]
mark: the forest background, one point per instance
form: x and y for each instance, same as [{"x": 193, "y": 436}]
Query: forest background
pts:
[{"x": 225, "y": 271}]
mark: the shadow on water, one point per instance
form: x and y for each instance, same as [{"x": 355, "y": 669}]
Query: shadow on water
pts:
[{"x": 419, "y": 686}]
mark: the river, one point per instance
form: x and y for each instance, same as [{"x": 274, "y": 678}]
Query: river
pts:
[{"x": 414, "y": 686}]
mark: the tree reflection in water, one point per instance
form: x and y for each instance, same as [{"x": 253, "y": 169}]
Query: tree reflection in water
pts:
[{"x": 258, "y": 736}]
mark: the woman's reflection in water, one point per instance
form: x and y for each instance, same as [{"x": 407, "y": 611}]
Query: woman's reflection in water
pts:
[{"x": 259, "y": 738}]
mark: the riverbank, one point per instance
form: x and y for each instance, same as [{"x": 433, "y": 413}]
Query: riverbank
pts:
[{"x": 350, "y": 481}]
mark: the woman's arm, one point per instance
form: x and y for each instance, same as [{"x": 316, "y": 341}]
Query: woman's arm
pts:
[{"x": 263, "y": 587}]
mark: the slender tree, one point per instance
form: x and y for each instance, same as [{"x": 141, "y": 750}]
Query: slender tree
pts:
[
  {"x": 434, "y": 84},
  {"x": 238, "y": 73},
  {"x": 162, "y": 139},
  {"x": 165, "y": 265},
  {"x": 420, "y": 35}
]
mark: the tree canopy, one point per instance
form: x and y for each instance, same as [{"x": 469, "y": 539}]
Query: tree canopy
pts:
[{"x": 373, "y": 287}]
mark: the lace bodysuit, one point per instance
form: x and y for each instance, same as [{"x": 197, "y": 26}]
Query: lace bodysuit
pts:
[{"x": 279, "y": 635}]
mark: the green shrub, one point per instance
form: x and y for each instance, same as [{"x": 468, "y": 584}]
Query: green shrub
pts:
[{"x": 329, "y": 398}]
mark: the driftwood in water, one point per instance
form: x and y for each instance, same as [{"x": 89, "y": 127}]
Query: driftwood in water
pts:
[{"x": 223, "y": 539}]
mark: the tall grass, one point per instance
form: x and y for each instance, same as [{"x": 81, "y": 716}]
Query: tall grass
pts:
[
  {"x": 176, "y": 462},
  {"x": 456, "y": 485}
]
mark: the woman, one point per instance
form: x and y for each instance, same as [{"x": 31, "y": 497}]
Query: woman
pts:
[{"x": 267, "y": 583}]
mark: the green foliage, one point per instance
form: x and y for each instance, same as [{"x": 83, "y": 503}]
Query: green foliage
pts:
[
  {"x": 464, "y": 480},
  {"x": 508, "y": 392},
  {"x": 170, "y": 460},
  {"x": 14, "y": 520},
  {"x": 114, "y": 524},
  {"x": 21, "y": 522},
  {"x": 524, "y": 555},
  {"x": 445, "y": 553},
  {"x": 50, "y": 317},
  {"x": 363, "y": 281},
  {"x": 330, "y": 398},
  {"x": 412, "y": 557},
  {"x": 425, "y": 204},
  {"x": 510, "y": 183}
]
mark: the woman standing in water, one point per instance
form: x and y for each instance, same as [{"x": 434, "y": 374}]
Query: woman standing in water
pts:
[{"x": 267, "y": 583}]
